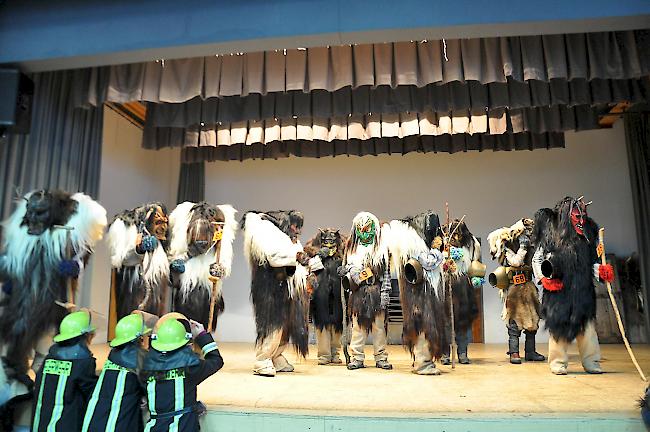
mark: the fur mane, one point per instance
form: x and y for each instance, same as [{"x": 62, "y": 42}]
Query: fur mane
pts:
[
  {"x": 122, "y": 237},
  {"x": 197, "y": 269},
  {"x": 88, "y": 221}
]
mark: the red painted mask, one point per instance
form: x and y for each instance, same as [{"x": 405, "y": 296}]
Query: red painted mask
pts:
[{"x": 578, "y": 215}]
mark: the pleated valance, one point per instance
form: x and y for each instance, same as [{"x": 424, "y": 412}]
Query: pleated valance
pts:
[
  {"x": 375, "y": 126},
  {"x": 454, "y": 96},
  {"x": 375, "y": 146},
  {"x": 585, "y": 56}
]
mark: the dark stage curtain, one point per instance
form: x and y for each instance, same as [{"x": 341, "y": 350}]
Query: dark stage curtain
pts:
[
  {"x": 637, "y": 137},
  {"x": 64, "y": 147},
  {"x": 191, "y": 182}
]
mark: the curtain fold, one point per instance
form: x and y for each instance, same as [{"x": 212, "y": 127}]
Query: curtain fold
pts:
[
  {"x": 373, "y": 126},
  {"x": 582, "y": 56},
  {"x": 637, "y": 138},
  {"x": 63, "y": 148},
  {"x": 454, "y": 96},
  {"x": 375, "y": 146},
  {"x": 191, "y": 182}
]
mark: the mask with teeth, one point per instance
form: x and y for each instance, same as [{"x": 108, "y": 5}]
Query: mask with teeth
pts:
[{"x": 578, "y": 215}]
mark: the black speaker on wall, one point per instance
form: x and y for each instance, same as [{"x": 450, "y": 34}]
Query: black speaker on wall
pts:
[{"x": 16, "y": 96}]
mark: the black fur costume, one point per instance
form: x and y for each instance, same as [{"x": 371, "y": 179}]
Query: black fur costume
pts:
[
  {"x": 193, "y": 227},
  {"x": 326, "y": 307},
  {"x": 365, "y": 301},
  {"x": 465, "y": 307},
  {"x": 141, "y": 282},
  {"x": 422, "y": 309},
  {"x": 34, "y": 246},
  {"x": 276, "y": 303},
  {"x": 567, "y": 311}
]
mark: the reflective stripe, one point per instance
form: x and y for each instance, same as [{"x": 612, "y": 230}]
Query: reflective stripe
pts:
[
  {"x": 117, "y": 401},
  {"x": 58, "y": 403},
  {"x": 179, "y": 401},
  {"x": 39, "y": 404},
  {"x": 151, "y": 396},
  {"x": 209, "y": 347},
  {"x": 92, "y": 404}
]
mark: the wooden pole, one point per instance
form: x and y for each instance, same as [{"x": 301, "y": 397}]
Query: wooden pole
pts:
[
  {"x": 215, "y": 281},
  {"x": 601, "y": 251},
  {"x": 451, "y": 293}
]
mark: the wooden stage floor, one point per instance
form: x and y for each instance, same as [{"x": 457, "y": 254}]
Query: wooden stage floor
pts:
[{"x": 490, "y": 385}]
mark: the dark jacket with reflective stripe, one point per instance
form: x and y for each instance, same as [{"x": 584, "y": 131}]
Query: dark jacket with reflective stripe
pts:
[
  {"x": 115, "y": 403},
  {"x": 172, "y": 382},
  {"x": 63, "y": 387}
]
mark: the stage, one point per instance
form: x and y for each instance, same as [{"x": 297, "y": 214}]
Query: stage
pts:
[{"x": 489, "y": 394}]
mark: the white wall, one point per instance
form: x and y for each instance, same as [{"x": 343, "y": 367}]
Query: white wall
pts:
[
  {"x": 130, "y": 176},
  {"x": 492, "y": 188}
]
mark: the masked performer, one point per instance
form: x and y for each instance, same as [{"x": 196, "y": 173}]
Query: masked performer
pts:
[
  {"x": 138, "y": 242},
  {"x": 278, "y": 286},
  {"x": 201, "y": 254},
  {"x": 462, "y": 252},
  {"x": 366, "y": 266},
  {"x": 46, "y": 242},
  {"x": 565, "y": 262},
  {"x": 326, "y": 252},
  {"x": 511, "y": 247},
  {"x": 415, "y": 254}
]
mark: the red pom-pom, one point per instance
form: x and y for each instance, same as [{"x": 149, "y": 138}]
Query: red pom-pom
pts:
[
  {"x": 552, "y": 284},
  {"x": 606, "y": 272}
]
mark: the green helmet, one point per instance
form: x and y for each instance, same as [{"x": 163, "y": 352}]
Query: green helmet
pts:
[
  {"x": 73, "y": 325},
  {"x": 128, "y": 329},
  {"x": 171, "y": 335}
]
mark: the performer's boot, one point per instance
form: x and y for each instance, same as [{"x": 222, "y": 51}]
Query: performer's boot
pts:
[
  {"x": 462, "y": 339},
  {"x": 531, "y": 354},
  {"x": 355, "y": 364},
  {"x": 383, "y": 364},
  {"x": 513, "y": 342}
]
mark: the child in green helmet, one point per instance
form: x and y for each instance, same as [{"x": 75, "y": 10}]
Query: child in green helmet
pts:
[
  {"x": 115, "y": 402},
  {"x": 67, "y": 378},
  {"x": 173, "y": 371}
]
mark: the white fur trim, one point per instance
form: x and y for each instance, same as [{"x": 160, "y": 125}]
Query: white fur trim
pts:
[
  {"x": 197, "y": 272},
  {"x": 179, "y": 220},
  {"x": 377, "y": 253},
  {"x": 121, "y": 241},
  {"x": 155, "y": 266},
  {"x": 404, "y": 243},
  {"x": 89, "y": 222},
  {"x": 266, "y": 243},
  {"x": 229, "y": 232}
]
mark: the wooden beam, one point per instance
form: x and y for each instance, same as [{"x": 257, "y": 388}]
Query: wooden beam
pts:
[
  {"x": 608, "y": 120},
  {"x": 135, "y": 112}
]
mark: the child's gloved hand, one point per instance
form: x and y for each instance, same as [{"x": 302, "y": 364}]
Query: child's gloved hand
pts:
[{"x": 196, "y": 328}]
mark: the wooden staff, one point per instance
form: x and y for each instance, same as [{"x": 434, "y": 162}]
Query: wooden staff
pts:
[
  {"x": 601, "y": 252},
  {"x": 451, "y": 294},
  {"x": 215, "y": 281}
]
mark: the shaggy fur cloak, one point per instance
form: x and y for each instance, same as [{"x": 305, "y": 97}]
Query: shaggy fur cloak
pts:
[
  {"x": 325, "y": 306},
  {"x": 422, "y": 303},
  {"x": 193, "y": 288},
  {"x": 278, "y": 281},
  {"x": 568, "y": 310},
  {"x": 141, "y": 280},
  {"x": 365, "y": 302},
  {"x": 458, "y": 282},
  {"x": 520, "y": 302},
  {"x": 30, "y": 264}
]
